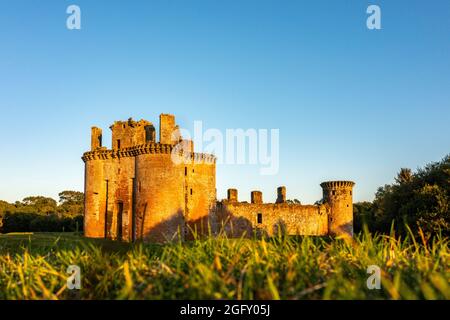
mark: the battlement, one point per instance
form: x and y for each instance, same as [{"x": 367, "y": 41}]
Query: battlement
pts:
[
  {"x": 149, "y": 148},
  {"x": 337, "y": 184},
  {"x": 257, "y": 196}
]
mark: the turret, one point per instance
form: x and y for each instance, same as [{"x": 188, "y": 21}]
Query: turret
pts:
[{"x": 339, "y": 196}]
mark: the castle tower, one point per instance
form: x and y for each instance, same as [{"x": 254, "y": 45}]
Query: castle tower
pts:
[
  {"x": 136, "y": 190},
  {"x": 339, "y": 196}
]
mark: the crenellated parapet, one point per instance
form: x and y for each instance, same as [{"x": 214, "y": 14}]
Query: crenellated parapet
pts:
[
  {"x": 337, "y": 184},
  {"x": 149, "y": 148}
]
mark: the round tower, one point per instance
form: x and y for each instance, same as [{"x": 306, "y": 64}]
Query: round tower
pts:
[
  {"x": 339, "y": 196},
  {"x": 95, "y": 196}
]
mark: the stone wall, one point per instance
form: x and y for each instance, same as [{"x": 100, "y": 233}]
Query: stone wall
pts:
[
  {"x": 160, "y": 205},
  {"x": 237, "y": 219}
]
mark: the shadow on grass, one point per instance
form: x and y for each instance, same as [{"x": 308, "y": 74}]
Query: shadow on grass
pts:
[{"x": 17, "y": 242}]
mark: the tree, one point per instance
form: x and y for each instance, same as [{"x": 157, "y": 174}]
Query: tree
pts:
[
  {"x": 419, "y": 199},
  {"x": 71, "y": 197},
  {"x": 71, "y": 203},
  {"x": 39, "y": 204},
  {"x": 5, "y": 208},
  {"x": 363, "y": 215},
  {"x": 404, "y": 176}
]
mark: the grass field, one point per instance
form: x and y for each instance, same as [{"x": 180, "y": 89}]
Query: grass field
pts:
[{"x": 33, "y": 266}]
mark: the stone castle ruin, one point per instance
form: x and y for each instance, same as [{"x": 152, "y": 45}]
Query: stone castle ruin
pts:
[{"x": 140, "y": 190}]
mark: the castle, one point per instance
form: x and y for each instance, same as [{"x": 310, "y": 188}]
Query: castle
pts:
[{"x": 157, "y": 191}]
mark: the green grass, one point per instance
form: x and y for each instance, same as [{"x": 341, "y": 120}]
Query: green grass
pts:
[{"x": 33, "y": 266}]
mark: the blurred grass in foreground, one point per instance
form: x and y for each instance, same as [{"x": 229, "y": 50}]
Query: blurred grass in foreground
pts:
[{"x": 33, "y": 266}]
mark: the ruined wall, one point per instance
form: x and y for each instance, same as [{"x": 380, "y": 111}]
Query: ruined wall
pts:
[
  {"x": 126, "y": 134},
  {"x": 237, "y": 219},
  {"x": 332, "y": 216}
]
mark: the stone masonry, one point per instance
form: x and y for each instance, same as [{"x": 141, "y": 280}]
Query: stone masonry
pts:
[{"x": 141, "y": 189}]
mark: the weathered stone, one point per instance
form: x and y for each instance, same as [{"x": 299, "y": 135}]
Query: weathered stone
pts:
[
  {"x": 256, "y": 197},
  {"x": 281, "y": 195}
]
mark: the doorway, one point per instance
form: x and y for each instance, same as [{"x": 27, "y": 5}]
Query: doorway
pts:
[{"x": 119, "y": 220}]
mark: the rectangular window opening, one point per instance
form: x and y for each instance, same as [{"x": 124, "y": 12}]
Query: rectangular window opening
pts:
[{"x": 260, "y": 218}]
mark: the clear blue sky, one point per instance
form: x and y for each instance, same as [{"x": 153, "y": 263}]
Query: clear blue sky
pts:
[{"x": 350, "y": 103}]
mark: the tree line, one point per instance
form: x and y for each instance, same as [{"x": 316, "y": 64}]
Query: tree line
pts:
[
  {"x": 416, "y": 200},
  {"x": 43, "y": 214}
]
